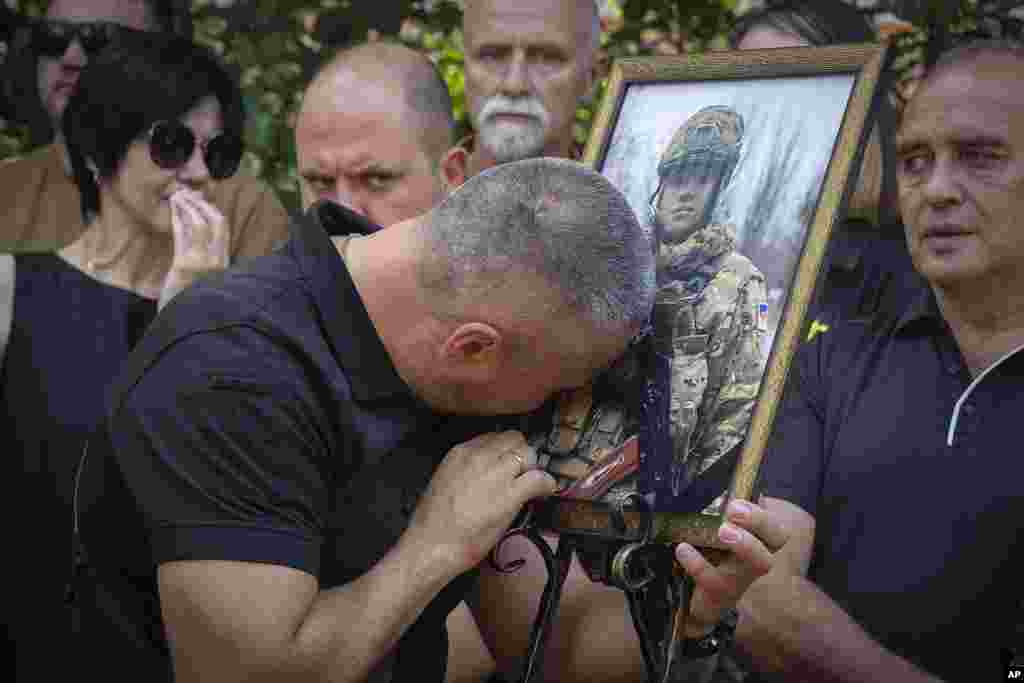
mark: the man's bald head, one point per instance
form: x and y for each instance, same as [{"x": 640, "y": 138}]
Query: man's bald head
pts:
[
  {"x": 373, "y": 132},
  {"x": 409, "y": 74}
]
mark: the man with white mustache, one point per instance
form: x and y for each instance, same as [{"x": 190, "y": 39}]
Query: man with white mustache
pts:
[
  {"x": 527, "y": 65},
  {"x": 512, "y": 129}
]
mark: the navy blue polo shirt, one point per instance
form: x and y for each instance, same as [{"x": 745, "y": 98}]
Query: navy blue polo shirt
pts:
[
  {"x": 913, "y": 471},
  {"x": 260, "y": 420}
]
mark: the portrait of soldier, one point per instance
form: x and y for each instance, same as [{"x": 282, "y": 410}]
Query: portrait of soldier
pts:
[
  {"x": 710, "y": 320},
  {"x": 711, "y": 308}
]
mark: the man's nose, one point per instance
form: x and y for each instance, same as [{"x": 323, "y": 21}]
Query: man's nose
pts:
[
  {"x": 516, "y": 81},
  {"x": 675, "y": 196},
  {"x": 942, "y": 185}
]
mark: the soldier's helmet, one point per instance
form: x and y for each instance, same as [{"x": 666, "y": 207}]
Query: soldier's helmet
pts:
[{"x": 711, "y": 138}]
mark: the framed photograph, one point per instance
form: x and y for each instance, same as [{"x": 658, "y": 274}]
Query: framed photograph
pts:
[{"x": 739, "y": 164}]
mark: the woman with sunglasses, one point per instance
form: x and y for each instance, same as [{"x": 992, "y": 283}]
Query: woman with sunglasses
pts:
[
  {"x": 153, "y": 123},
  {"x": 39, "y": 203}
]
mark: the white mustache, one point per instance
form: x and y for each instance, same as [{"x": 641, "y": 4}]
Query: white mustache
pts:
[{"x": 521, "y": 106}]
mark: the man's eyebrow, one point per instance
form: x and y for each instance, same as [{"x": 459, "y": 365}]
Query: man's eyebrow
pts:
[
  {"x": 903, "y": 145},
  {"x": 909, "y": 143},
  {"x": 374, "y": 166},
  {"x": 980, "y": 140}
]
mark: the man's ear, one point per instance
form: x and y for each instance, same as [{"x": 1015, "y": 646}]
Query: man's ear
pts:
[
  {"x": 474, "y": 352},
  {"x": 453, "y": 168}
]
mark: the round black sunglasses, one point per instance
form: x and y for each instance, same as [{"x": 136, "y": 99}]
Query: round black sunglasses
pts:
[
  {"x": 171, "y": 144},
  {"x": 51, "y": 37}
]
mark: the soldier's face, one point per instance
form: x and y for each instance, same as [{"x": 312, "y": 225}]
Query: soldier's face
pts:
[
  {"x": 683, "y": 205},
  {"x": 960, "y": 167}
]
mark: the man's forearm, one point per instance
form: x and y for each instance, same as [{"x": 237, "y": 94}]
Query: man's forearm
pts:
[
  {"x": 790, "y": 627},
  {"x": 238, "y": 622},
  {"x": 351, "y": 628}
]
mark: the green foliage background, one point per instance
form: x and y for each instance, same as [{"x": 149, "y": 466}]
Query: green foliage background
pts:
[{"x": 275, "y": 45}]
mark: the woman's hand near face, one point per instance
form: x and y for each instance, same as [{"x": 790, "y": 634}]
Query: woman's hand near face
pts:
[{"x": 202, "y": 240}]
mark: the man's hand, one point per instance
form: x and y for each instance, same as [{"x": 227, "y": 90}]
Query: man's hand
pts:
[
  {"x": 202, "y": 241},
  {"x": 474, "y": 497},
  {"x": 754, "y": 534}
]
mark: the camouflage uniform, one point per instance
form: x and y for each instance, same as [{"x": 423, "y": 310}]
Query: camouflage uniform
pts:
[
  {"x": 715, "y": 303},
  {"x": 712, "y": 303},
  {"x": 711, "y": 313}
]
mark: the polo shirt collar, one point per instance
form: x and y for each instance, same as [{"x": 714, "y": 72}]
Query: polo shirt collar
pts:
[
  {"x": 349, "y": 331},
  {"x": 922, "y": 309}
]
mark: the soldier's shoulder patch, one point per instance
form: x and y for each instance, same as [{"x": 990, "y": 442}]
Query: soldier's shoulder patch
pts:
[{"x": 761, "y": 317}]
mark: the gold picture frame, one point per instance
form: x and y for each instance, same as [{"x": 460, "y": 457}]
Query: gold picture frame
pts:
[{"x": 647, "y": 104}]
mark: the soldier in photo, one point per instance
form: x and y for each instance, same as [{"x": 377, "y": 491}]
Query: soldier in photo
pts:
[
  {"x": 711, "y": 308},
  {"x": 708, "y": 325}
]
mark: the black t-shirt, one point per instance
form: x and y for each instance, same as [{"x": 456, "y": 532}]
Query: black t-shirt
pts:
[
  {"x": 261, "y": 420},
  {"x": 912, "y": 470},
  {"x": 69, "y": 335}
]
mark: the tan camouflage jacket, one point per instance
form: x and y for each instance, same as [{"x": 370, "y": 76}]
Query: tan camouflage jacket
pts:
[{"x": 718, "y": 303}]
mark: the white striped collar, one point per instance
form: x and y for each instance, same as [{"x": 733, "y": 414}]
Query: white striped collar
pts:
[{"x": 967, "y": 392}]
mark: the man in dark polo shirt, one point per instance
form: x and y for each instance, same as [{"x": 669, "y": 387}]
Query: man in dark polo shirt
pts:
[
  {"x": 271, "y": 499},
  {"x": 898, "y": 458}
]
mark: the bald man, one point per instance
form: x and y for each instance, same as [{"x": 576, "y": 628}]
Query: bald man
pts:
[{"x": 375, "y": 133}]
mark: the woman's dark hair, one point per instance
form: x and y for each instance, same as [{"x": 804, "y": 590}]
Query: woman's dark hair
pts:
[
  {"x": 819, "y": 22},
  {"x": 833, "y": 22},
  {"x": 135, "y": 82}
]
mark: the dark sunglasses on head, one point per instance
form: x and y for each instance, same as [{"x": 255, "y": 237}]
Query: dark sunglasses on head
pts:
[
  {"x": 50, "y": 37},
  {"x": 171, "y": 144}
]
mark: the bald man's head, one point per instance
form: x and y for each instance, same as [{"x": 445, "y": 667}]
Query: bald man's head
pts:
[
  {"x": 373, "y": 132},
  {"x": 409, "y": 75}
]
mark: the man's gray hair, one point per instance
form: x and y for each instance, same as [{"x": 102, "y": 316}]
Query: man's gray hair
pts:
[
  {"x": 589, "y": 28},
  {"x": 552, "y": 217},
  {"x": 971, "y": 51}
]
